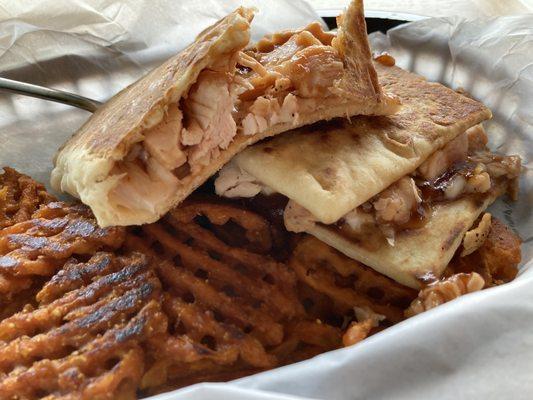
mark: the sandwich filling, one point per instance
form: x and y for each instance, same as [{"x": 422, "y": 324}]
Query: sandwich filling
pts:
[
  {"x": 464, "y": 167},
  {"x": 285, "y": 76}
]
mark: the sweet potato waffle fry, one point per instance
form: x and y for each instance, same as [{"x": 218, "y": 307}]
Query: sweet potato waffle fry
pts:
[
  {"x": 20, "y": 197},
  {"x": 87, "y": 337},
  {"x": 347, "y": 282},
  {"x": 230, "y": 308},
  {"x": 205, "y": 300},
  {"x": 36, "y": 248},
  {"x": 496, "y": 260}
]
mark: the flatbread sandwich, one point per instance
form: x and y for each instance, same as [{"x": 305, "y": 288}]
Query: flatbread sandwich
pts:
[
  {"x": 153, "y": 143},
  {"x": 397, "y": 193}
]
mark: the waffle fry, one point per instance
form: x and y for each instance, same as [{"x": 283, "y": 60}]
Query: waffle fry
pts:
[
  {"x": 347, "y": 282},
  {"x": 204, "y": 300},
  {"x": 230, "y": 308},
  {"x": 87, "y": 337},
  {"x": 20, "y": 197},
  {"x": 496, "y": 260},
  {"x": 39, "y": 246},
  {"x": 307, "y": 338}
]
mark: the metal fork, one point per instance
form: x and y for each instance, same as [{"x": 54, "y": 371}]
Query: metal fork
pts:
[{"x": 41, "y": 92}]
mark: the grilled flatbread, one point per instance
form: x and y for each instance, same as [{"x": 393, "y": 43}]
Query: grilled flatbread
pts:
[
  {"x": 396, "y": 193},
  {"x": 417, "y": 254},
  {"x": 153, "y": 143},
  {"x": 332, "y": 169}
]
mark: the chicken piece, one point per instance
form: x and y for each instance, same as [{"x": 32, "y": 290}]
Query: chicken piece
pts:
[
  {"x": 455, "y": 187},
  {"x": 477, "y": 139},
  {"x": 445, "y": 290},
  {"x": 283, "y": 52},
  {"x": 296, "y": 218},
  {"x": 440, "y": 161},
  {"x": 480, "y": 181},
  {"x": 232, "y": 181},
  {"x": 265, "y": 112},
  {"x": 141, "y": 184},
  {"x": 508, "y": 166},
  {"x": 313, "y": 71},
  {"x": 358, "y": 220},
  {"x": 162, "y": 141},
  {"x": 396, "y": 203},
  {"x": 356, "y": 332},
  {"x": 270, "y": 43},
  {"x": 210, "y": 104}
]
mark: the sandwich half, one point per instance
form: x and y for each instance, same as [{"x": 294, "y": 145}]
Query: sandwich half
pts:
[
  {"x": 397, "y": 193},
  {"x": 153, "y": 143}
]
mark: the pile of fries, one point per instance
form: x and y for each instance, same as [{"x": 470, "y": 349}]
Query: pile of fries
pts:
[{"x": 114, "y": 312}]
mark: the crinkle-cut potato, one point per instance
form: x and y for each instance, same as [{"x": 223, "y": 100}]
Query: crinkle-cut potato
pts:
[
  {"x": 153, "y": 143},
  {"x": 20, "y": 196},
  {"x": 194, "y": 297}
]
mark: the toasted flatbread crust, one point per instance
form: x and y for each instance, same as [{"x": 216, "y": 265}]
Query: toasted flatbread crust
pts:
[
  {"x": 417, "y": 253},
  {"x": 330, "y": 169},
  {"x": 86, "y": 160},
  {"x": 84, "y": 163}
]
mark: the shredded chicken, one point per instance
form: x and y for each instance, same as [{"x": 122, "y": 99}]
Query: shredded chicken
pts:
[
  {"x": 445, "y": 290},
  {"x": 450, "y": 169},
  {"x": 313, "y": 70},
  {"x": 297, "y": 218},
  {"x": 301, "y": 62},
  {"x": 475, "y": 237},
  {"x": 397, "y": 202},
  {"x": 440, "y": 161},
  {"x": 142, "y": 185},
  {"x": 162, "y": 141},
  {"x": 209, "y": 105},
  {"x": 479, "y": 182},
  {"x": 500, "y": 166},
  {"x": 455, "y": 187},
  {"x": 358, "y": 220},
  {"x": 233, "y": 181}
]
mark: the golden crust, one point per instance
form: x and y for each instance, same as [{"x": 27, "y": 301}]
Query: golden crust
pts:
[
  {"x": 362, "y": 79},
  {"x": 114, "y": 126}
]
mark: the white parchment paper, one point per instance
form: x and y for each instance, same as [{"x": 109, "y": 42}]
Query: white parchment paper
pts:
[{"x": 479, "y": 346}]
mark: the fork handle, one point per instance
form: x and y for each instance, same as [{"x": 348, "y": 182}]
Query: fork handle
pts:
[{"x": 59, "y": 96}]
